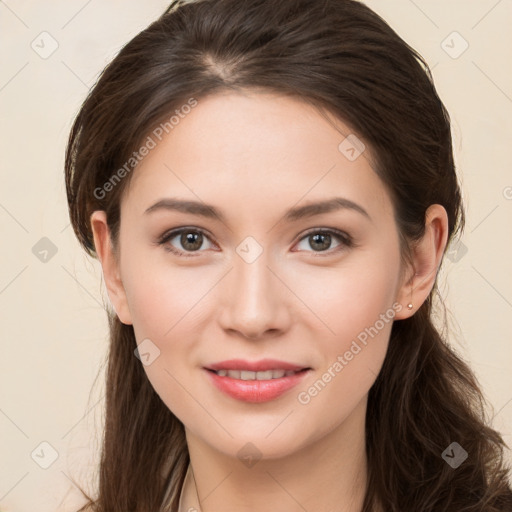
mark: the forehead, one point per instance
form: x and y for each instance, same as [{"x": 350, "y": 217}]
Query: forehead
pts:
[{"x": 245, "y": 148}]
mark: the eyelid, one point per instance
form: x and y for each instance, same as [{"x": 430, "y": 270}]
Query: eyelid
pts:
[{"x": 345, "y": 239}]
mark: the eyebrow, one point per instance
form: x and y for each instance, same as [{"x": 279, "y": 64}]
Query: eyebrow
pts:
[{"x": 291, "y": 215}]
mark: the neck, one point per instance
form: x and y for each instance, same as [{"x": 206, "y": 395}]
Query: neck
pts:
[{"x": 328, "y": 474}]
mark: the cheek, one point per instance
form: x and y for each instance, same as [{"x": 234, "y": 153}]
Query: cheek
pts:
[
  {"x": 351, "y": 298},
  {"x": 163, "y": 297}
]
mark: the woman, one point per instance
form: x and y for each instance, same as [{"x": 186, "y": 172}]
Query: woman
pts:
[{"x": 270, "y": 189}]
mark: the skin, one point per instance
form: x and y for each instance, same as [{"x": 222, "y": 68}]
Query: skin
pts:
[{"x": 254, "y": 155}]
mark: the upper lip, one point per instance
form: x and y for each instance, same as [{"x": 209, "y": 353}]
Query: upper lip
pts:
[{"x": 255, "y": 366}]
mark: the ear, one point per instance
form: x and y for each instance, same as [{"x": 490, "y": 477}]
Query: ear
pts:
[
  {"x": 110, "y": 265},
  {"x": 427, "y": 254}
]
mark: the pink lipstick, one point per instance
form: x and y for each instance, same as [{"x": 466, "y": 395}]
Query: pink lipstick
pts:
[{"x": 255, "y": 381}]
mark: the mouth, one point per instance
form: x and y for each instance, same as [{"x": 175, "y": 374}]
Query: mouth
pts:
[
  {"x": 261, "y": 375},
  {"x": 255, "y": 382}
]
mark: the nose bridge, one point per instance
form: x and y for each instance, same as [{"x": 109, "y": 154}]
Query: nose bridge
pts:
[{"x": 254, "y": 299}]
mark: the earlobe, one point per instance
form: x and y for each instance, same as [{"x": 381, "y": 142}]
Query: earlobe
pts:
[
  {"x": 109, "y": 265},
  {"x": 426, "y": 254}
]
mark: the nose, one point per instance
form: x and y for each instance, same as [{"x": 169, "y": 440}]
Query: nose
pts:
[{"x": 255, "y": 300}]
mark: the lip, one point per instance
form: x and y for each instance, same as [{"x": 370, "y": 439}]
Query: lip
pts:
[
  {"x": 255, "y": 391},
  {"x": 255, "y": 366}
]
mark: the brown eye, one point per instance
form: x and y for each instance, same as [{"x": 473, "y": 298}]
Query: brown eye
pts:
[
  {"x": 191, "y": 240},
  {"x": 321, "y": 240},
  {"x": 184, "y": 240}
]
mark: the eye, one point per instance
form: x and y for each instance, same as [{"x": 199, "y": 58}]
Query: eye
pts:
[
  {"x": 190, "y": 239},
  {"x": 321, "y": 239}
]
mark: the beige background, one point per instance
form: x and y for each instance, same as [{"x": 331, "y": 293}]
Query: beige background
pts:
[{"x": 53, "y": 327}]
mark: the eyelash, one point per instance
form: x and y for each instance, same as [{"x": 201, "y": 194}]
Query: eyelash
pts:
[{"x": 345, "y": 239}]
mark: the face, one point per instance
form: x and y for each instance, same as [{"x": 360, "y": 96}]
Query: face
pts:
[{"x": 268, "y": 277}]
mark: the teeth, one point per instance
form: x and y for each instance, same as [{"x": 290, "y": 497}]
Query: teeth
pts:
[
  {"x": 248, "y": 375},
  {"x": 267, "y": 375}
]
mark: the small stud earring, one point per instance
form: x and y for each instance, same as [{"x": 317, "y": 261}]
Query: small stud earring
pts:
[{"x": 410, "y": 306}]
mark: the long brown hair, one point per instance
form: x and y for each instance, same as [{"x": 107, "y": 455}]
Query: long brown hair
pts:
[{"x": 343, "y": 58}]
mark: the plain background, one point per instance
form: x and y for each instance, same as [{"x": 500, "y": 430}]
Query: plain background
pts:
[{"x": 53, "y": 326}]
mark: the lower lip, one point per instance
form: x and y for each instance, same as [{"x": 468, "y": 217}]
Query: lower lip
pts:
[{"x": 256, "y": 391}]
